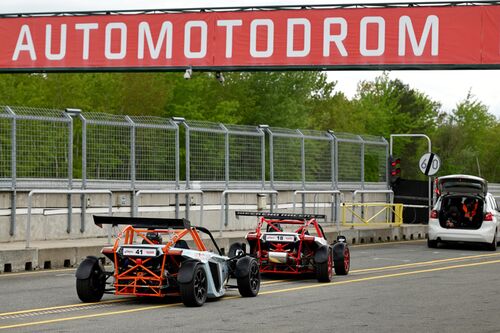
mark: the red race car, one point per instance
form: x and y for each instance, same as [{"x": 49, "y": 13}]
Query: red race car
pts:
[{"x": 295, "y": 244}]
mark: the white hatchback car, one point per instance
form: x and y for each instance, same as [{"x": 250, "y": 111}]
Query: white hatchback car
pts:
[{"x": 464, "y": 212}]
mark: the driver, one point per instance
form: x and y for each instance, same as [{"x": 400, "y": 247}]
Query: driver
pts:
[{"x": 154, "y": 237}]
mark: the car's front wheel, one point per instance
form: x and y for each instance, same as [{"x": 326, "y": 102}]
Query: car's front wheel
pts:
[
  {"x": 249, "y": 285},
  {"x": 194, "y": 293}
]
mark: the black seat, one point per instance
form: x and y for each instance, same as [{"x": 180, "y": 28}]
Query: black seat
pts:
[{"x": 181, "y": 244}]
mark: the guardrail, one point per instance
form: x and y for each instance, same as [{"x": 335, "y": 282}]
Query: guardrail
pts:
[
  {"x": 334, "y": 203},
  {"x": 224, "y": 203},
  {"x": 363, "y": 192},
  {"x": 390, "y": 210},
  {"x": 33, "y": 192},
  {"x": 176, "y": 192}
]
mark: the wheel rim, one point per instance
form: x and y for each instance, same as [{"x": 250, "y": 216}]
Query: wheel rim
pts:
[
  {"x": 200, "y": 285},
  {"x": 95, "y": 280},
  {"x": 254, "y": 277},
  {"x": 347, "y": 259}
]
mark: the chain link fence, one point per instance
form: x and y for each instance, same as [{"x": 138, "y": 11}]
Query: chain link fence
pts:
[
  {"x": 35, "y": 147},
  {"x": 156, "y": 150},
  {"x": 117, "y": 151},
  {"x": 219, "y": 155}
]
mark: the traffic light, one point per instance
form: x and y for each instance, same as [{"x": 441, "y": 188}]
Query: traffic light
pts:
[{"x": 394, "y": 169}]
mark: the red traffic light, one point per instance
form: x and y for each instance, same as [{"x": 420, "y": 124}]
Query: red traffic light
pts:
[
  {"x": 395, "y": 172},
  {"x": 395, "y": 162}
]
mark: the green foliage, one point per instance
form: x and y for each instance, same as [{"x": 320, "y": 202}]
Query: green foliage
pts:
[{"x": 467, "y": 139}]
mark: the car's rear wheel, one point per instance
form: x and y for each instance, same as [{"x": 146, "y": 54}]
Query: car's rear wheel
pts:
[
  {"x": 249, "y": 285},
  {"x": 342, "y": 263},
  {"x": 493, "y": 245},
  {"x": 91, "y": 289},
  {"x": 432, "y": 244},
  {"x": 194, "y": 293},
  {"x": 324, "y": 271}
]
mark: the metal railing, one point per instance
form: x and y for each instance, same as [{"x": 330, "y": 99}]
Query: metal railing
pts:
[
  {"x": 224, "y": 203},
  {"x": 392, "y": 214},
  {"x": 176, "y": 193},
  {"x": 69, "y": 192},
  {"x": 334, "y": 203}
]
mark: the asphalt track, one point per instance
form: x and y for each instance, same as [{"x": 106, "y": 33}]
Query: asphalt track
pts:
[{"x": 392, "y": 287}]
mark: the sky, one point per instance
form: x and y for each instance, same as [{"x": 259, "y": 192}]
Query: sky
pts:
[{"x": 447, "y": 87}]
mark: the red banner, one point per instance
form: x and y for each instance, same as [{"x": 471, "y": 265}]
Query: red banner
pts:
[{"x": 462, "y": 36}]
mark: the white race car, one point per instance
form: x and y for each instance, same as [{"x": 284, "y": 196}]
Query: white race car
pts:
[{"x": 151, "y": 258}]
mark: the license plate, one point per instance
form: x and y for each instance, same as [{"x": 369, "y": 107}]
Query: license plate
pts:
[
  {"x": 280, "y": 238},
  {"x": 139, "y": 252}
]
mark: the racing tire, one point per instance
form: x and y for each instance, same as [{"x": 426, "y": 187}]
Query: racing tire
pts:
[
  {"x": 249, "y": 285},
  {"x": 91, "y": 289},
  {"x": 493, "y": 245},
  {"x": 432, "y": 244},
  {"x": 324, "y": 270},
  {"x": 194, "y": 293},
  {"x": 342, "y": 263}
]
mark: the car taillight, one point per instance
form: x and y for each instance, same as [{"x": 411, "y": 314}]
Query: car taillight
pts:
[
  {"x": 434, "y": 214},
  {"x": 488, "y": 217}
]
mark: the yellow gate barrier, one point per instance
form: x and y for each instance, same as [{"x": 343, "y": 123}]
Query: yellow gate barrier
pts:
[{"x": 393, "y": 214}]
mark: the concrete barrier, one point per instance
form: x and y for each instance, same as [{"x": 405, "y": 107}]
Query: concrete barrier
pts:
[
  {"x": 69, "y": 253},
  {"x": 49, "y": 219}
]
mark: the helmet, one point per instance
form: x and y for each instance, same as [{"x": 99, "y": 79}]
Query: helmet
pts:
[{"x": 154, "y": 237}]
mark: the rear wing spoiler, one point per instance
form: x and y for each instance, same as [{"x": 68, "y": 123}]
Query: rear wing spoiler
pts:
[
  {"x": 281, "y": 216},
  {"x": 143, "y": 222}
]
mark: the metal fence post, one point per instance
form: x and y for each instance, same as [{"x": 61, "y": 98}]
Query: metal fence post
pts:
[
  {"x": 303, "y": 169},
  {"x": 70, "y": 172},
  {"x": 188, "y": 167},
  {"x": 83, "y": 197},
  {"x": 177, "y": 165},
  {"x": 226, "y": 154},
  {"x": 362, "y": 162},
  {"x": 263, "y": 154},
  {"x": 13, "y": 170},
  {"x": 271, "y": 158},
  {"x": 132, "y": 164},
  {"x": 386, "y": 173}
]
